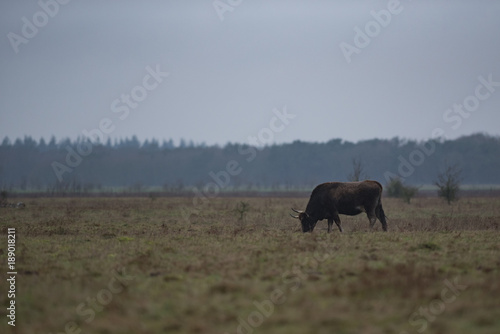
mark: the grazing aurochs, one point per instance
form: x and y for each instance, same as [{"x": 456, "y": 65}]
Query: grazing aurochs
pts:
[{"x": 330, "y": 199}]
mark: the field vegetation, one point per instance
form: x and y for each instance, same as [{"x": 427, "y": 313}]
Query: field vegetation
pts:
[{"x": 241, "y": 265}]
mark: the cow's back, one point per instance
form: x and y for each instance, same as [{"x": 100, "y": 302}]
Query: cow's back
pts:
[{"x": 344, "y": 196}]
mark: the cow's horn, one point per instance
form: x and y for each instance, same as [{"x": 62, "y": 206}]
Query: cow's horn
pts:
[
  {"x": 297, "y": 217},
  {"x": 299, "y": 212}
]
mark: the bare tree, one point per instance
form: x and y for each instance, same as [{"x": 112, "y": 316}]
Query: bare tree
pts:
[
  {"x": 357, "y": 171},
  {"x": 448, "y": 183}
]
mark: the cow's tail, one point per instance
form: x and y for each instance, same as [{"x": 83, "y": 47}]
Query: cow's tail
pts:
[{"x": 379, "y": 212}]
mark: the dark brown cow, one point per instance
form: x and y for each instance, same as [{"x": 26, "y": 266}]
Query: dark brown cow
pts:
[{"x": 328, "y": 200}]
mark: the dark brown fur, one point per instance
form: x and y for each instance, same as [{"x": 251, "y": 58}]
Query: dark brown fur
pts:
[{"x": 328, "y": 200}]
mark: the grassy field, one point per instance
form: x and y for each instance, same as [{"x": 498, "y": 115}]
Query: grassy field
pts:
[{"x": 166, "y": 265}]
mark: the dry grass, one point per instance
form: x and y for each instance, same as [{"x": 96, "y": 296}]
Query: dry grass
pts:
[{"x": 135, "y": 265}]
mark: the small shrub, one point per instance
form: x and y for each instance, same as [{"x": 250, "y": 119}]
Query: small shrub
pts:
[
  {"x": 408, "y": 193},
  {"x": 396, "y": 188},
  {"x": 448, "y": 183},
  {"x": 242, "y": 208}
]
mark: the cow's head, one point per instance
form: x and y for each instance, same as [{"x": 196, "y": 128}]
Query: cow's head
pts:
[{"x": 308, "y": 223}]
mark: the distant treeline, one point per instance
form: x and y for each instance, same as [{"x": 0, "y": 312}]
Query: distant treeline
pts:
[{"x": 81, "y": 166}]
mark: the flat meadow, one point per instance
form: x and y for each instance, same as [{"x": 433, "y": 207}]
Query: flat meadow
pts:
[{"x": 242, "y": 265}]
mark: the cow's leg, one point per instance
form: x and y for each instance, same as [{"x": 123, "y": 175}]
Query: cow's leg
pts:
[
  {"x": 372, "y": 217},
  {"x": 330, "y": 224},
  {"x": 372, "y": 220},
  {"x": 371, "y": 214},
  {"x": 336, "y": 218}
]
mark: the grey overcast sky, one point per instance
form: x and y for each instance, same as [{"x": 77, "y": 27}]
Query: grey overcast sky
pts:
[{"x": 344, "y": 69}]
